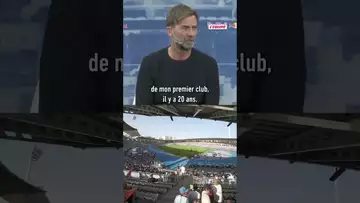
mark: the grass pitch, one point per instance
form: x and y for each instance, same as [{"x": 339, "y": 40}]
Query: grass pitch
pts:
[{"x": 182, "y": 150}]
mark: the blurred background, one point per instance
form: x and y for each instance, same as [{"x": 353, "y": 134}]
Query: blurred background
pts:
[
  {"x": 22, "y": 24},
  {"x": 331, "y": 41},
  {"x": 145, "y": 32}
]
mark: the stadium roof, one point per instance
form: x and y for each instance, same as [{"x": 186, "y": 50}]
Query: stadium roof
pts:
[
  {"x": 127, "y": 127},
  {"x": 332, "y": 139},
  {"x": 212, "y": 112},
  {"x": 14, "y": 185},
  {"x": 130, "y": 131},
  {"x": 70, "y": 130}
]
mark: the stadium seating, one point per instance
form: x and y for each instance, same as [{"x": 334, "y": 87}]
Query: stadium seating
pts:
[
  {"x": 160, "y": 184},
  {"x": 134, "y": 13},
  {"x": 229, "y": 160},
  {"x": 133, "y": 2},
  {"x": 229, "y": 192},
  {"x": 212, "y": 44},
  {"x": 147, "y": 196},
  {"x": 166, "y": 158},
  {"x": 149, "y": 190}
]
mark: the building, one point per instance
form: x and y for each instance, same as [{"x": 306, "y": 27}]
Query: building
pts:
[{"x": 167, "y": 138}]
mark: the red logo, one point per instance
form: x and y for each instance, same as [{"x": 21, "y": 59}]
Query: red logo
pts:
[{"x": 217, "y": 26}]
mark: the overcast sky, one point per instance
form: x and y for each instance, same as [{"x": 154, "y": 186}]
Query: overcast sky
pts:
[
  {"x": 181, "y": 127},
  {"x": 69, "y": 175}
]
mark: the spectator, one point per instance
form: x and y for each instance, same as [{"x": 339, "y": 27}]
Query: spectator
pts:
[
  {"x": 194, "y": 195},
  {"x": 205, "y": 195},
  {"x": 217, "y": 190},
  {"x": 182, "y": 169},
  {"x": 152, "y": 179},
  {"x": 182, "y": 172},
  {"x": 182, "y": 198}
]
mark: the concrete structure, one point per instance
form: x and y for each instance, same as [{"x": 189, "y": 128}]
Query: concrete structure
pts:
[
  {"x": 326, "y": 139},
  {"x": 71, "y": 130}
]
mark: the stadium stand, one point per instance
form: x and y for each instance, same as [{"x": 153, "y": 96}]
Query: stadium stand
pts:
[
  {"x": 212, "y": 112},
  {"x": 153, "y": 175}
]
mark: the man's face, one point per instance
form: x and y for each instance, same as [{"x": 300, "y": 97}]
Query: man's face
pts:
[{"x": 184, "y": 33}]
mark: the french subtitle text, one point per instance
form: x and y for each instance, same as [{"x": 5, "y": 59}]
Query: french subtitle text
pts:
[
  {"x": 256, "y": 64},
  {"x": 101, "y": 64},
  {"x": 178, "y": 98}
]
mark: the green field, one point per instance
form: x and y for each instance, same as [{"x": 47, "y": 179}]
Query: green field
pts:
[{"x": 182, "y": 150}]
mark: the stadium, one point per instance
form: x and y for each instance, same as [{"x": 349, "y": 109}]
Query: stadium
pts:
[{"x": 157, "y": 168}]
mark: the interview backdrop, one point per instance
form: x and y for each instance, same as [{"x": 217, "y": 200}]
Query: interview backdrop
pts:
[{"x": 145, "y": 32}]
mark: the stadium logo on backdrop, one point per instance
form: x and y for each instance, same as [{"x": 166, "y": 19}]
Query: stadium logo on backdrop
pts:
[
  {"x": 233, "y": 25},
  {"x": 217, "y": 26}
]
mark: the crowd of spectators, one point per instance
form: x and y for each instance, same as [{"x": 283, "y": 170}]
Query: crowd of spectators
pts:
[
  {"x": 213, "y": 192},
  {"x": 152, "y": 180}
]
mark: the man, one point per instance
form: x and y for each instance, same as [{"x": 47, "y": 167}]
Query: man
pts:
[
  {"x": 182, "y": 198},
  {"x": 179, "y": 73},
  {"x": 217, "y": 189},
  {"x": 206, "y": 194},
  {"x": 193, "y": 195},
  {"x": 152, "y": 179},
  {"x": 182, "y": 172}
]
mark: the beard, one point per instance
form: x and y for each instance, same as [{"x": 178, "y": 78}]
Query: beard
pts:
[{"x": 183, "y": 45}]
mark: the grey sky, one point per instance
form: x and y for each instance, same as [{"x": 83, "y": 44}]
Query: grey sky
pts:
[
  {"x": 68, "y": 174},
  {"x": 273, "y": 181},
  {"x": 181, "y": 127}
]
